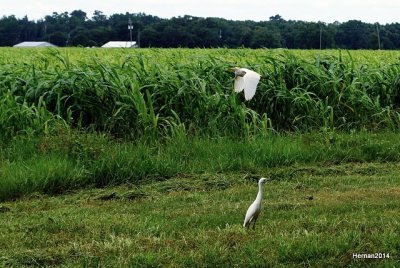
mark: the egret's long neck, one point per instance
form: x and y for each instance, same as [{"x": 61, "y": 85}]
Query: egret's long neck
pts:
[{"x": 260, "y": 192}]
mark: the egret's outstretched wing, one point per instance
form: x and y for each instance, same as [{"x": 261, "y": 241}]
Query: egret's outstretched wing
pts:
[
  {"x": 239, "y": 84},
  {"x": 251, "y": 80}
]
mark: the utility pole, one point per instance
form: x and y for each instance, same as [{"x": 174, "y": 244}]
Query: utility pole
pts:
[
  {"x": 320, "y": 37},
  {"x": 379, "y": 38},
  {"x": 130, "y": 27},
  {"x": 138, "y": 37},
  {"x": 67, "y": 42},
  {"x": 45, "y": 29}
]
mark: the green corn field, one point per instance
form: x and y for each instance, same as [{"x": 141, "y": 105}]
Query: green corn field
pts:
[{"x": 155, "y": 93}]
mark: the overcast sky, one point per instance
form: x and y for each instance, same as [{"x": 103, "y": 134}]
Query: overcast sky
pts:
[{"x": 382, "y": 11}]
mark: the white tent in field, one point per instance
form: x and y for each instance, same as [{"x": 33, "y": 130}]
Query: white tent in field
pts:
[
  {"x": 35, "y": 44},
  {"x": 120, "y": 44}
]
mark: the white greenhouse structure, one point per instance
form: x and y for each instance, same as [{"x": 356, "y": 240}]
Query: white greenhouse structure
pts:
[
  {"x": 120, "y": 44},
  {"x": 35, "y": 44}
]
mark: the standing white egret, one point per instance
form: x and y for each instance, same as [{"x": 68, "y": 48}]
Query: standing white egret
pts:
[
  {"x": 255, "y": 208},
  {"x": 246, "y": 80}
]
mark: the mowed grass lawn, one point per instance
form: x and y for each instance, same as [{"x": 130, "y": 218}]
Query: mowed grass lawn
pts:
[{"x": 312, "y": 215}]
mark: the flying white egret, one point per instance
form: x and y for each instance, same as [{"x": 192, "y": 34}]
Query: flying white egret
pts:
[
  {"x": 246, "y": 80},
  {"x": 255, "y": 208}
]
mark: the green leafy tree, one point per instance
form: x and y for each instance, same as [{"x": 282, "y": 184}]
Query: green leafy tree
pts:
[
  {"x": 76, "y": 29},
  {"x": 10, "y": 30}
]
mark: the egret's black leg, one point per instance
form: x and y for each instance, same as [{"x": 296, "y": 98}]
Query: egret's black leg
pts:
[{"x": 254, "y": 224}]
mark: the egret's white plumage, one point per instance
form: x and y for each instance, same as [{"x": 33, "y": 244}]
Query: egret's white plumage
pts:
[
  {"x": 246, "y": 80},
  {"x": 255, "y": 208}
]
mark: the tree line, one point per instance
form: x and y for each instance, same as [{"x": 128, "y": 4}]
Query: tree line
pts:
[{"x": 77, "y": 29}]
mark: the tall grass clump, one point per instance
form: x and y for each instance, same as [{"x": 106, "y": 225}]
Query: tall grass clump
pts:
[
  {"x": 329, "y": 92},
  {"x": 18, "y": 115}
]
